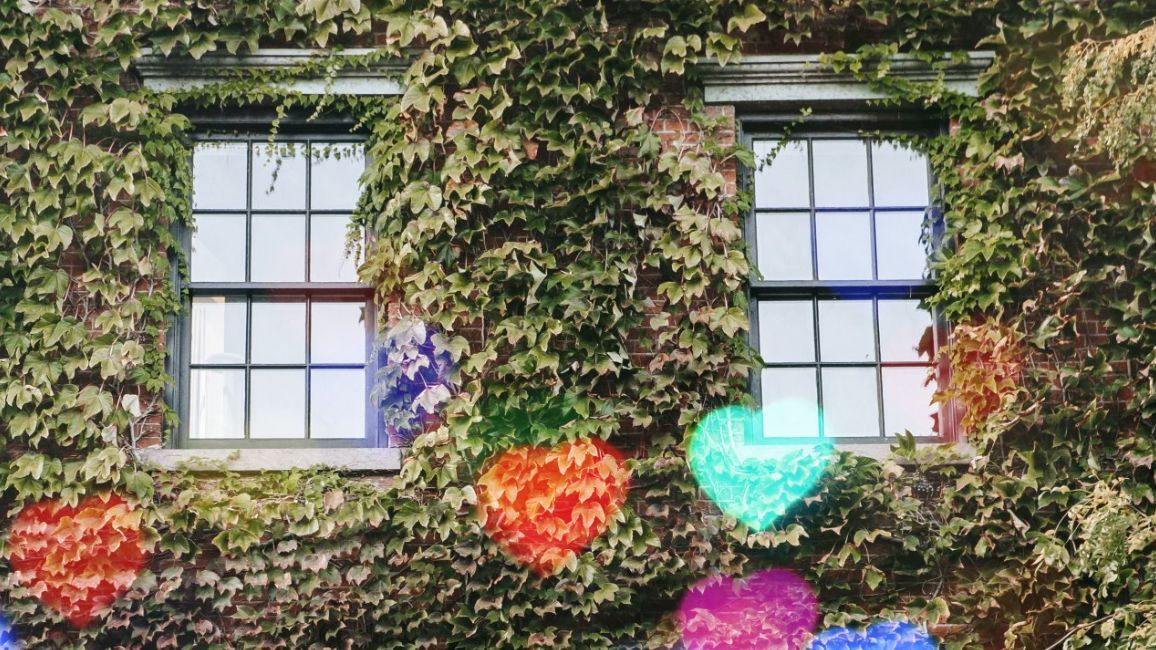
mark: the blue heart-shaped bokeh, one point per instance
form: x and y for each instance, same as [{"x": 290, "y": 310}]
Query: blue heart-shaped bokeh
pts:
[
  {"x": 887, "y": 635},
  {"x": 755, "y": 483}
]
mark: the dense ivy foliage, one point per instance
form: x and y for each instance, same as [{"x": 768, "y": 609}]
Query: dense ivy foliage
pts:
[{"x": 521, "y": 190}]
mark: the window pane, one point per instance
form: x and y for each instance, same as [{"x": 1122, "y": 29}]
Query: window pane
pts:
[
  {"x": 337, "y": 404},
  {"x": 277, "y": 403},
  {"x": 278, "y": 248},
  {"x": 219, "y": 175},
  {"x": 850, "y": 402},
  {"x": 218, "y": 331},
  {"x": 846, "y": 330},
  {"x": 279, "y": 177},
  {"x": 790, "y": 404},
  {"x": 784, "y": 245},
  {"x": 327, "y": 259},
  {"x": 782, "y": 183},
  {"x": 844, "y": 245},
  {"x": 335, "y": 174},
  {"x": 902, "y": 256},
  {"x": 218, "y": 248},
  {"x": 840, "y": 173},
  {"x": 900, "y": 175},
  {"x": 278, "y": 333},
  {"x": 338, "y": 332},
  {"x": 905, "y": 332},
  {"x": 786, "y": 331},
  {"x": 216, "y": 403},
  {"x": 907, "y": 402}
]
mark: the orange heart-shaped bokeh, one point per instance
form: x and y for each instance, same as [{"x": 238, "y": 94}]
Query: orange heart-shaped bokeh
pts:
[
  {"x": 545, "y": 505},
  {"x": 77, "y": 559}
]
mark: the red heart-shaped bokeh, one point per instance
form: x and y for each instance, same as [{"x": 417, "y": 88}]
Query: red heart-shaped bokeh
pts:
[
  {"x": 545, "y": 505},
  {"x": 77, "y": 559}
]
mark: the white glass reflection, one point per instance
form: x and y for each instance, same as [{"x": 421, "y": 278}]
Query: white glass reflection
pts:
[
  {"x": 907, "y": 401},
  {"x": 338, "y": 332},
  {"x": 902, "y": 256},
  {"x": 840, "y": 173},
  {"x": 784, "y": 245},
  {"x": 277, "y": 403},
  {"x": 336, "y": 170},
  {"x": 216, "y": 403},
  {"x": 900, "y": 175},
  {"x": 218, "y": 331},
  {"x": 278, "y": 248},
  {"x": 220, "y": 170},
  {"x": 786, "y": 331},
  {"x": 218, "y": 248},
  {"x": 279, "y": 176},
  {"x": 844, "y": 245},
  {"x": 278, "y": 332},
  {"x": 850, "y": 402},
  {"x": 905, "y": 332},
  {"x": 846, "y": 330},
  {"x": 337, "y": 403},
  {"x": 328, "y": 261},
  {"x": 782, "y": 183},
  {"x": 790, "y": 403}
]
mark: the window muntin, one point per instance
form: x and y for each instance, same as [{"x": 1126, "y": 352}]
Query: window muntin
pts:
[
  {"x": 839, "y": 229},
  {"x": 277, "y": 333}
]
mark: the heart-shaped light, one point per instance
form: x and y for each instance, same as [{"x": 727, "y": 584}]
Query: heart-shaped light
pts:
[
  {"x": 543, "y": 506},
  {"x": 8, "y": 640},
  {"x": 773, "y": 609},
  {"x": 755, "y": 483},
  {"x": 77, "y": 559},
  {"x": 887, "y": 635}
]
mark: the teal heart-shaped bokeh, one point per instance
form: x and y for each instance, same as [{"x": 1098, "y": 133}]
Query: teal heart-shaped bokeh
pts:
[{"x": 755, "y": 482}]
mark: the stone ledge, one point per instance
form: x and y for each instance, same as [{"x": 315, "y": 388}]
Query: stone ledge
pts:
[
  {"x": 162, "y": 73},
  {"x": 802, "y": 78},
  {"x": 357, "y": 459}
]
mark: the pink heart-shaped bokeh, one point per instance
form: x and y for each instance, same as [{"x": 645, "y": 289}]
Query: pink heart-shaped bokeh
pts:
[{"x": 772, "y": 609}]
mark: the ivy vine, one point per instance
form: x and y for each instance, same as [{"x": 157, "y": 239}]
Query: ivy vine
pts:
[{"x": 586, "y": 276}]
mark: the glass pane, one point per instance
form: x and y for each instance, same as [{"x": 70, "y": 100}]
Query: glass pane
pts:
[
  {"x": 907, "y": 402},
  {"x": 784, "y": 245},
  {"x": 900, "y": 175},
  {"x": 850, "y": 402},
  {"x": 846, "y": 330},
  {"x": 901, "y": 255},
  {"x": 277, "y": 403},
  {"x": 279, "y": 176},
  {"x": 905, "y": 332},
  {"x": 337, "y": 404},
  {"x": 218, "y": 248},
  {"x": 278, "y": 248},
  {"x": 219, "y": 175},
  {"x": 840, "y": 173},
  {"x": 338, "y": 332},
  {"x": 844, "y": 245},
  {"x": 278, "y": 333},
  {"x": 790, "y": 404},
  {"x": 218, "y": 331},
  {"x": 335, "y": 174},
  {"x": 216, "y": 403},
  {"x": 786, "y": 331},
  {"x": 327, "y": 259},
  {"x": 783, "y": 182}
]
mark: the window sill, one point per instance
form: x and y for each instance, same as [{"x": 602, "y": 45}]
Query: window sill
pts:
[
  {"x": 958, "y": 453},
  {"x": 355, "y": 459}
]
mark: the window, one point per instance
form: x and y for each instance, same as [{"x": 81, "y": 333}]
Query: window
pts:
[
  {"x": 841, "y": 228},
  {"x": 276, "y": 333}
]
